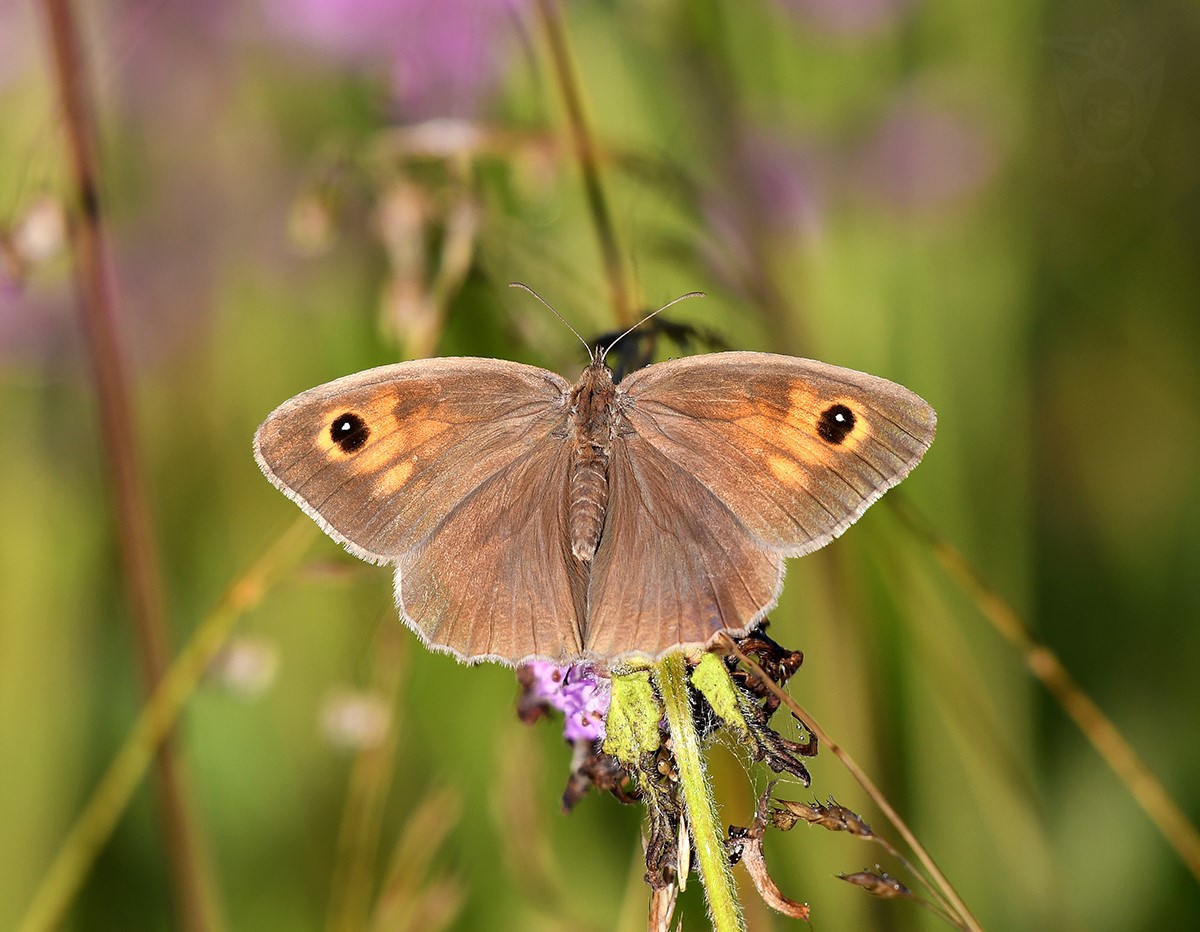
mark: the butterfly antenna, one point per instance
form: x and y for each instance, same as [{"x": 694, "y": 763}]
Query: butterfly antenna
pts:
[
  {"x": 682, "y": 297},
  {"x": 525, "y": 287}
]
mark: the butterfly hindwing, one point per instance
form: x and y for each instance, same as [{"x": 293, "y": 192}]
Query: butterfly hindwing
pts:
[
  {"x": 496, "y": 580},
  {"x": 674, "y": 565}
]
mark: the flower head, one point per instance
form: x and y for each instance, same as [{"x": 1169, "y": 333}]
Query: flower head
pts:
[
  {"x": 576, "y": 691},
  {"x": 445, "y": 56}
]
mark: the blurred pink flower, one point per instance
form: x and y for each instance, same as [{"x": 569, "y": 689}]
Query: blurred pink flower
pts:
[
  {"x": 846, "y": 17},
  {"x": 772, "y": 186},
  {"x": 781, "y": 180},
  {"x": 18, "y": 38},
  {"x": 446, "y": 56},
  {"x": 922, "y": 156}
]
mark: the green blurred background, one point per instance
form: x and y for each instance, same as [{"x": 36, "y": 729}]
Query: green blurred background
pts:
[{"x": 998, "y": 207}]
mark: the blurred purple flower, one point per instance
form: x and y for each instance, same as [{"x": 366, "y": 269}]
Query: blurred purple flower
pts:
[
  {"x": 846, "y": 17},
  {"x": 780, "y": 180},
  {"x": 36, "y": 324},
  {"x": 921, "y": 156},
  {"x": 577, "y": 692},
  {"x": 18, "y": 37},
  {"x": 771, "y": 186},
  {"x": 446, "y": 56}
]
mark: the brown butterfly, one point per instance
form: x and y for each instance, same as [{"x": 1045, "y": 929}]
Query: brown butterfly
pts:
[{"x": 529, "y": 518}]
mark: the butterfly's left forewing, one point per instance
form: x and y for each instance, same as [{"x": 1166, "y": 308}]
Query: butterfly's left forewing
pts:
[{"x": 796, "y": 449}]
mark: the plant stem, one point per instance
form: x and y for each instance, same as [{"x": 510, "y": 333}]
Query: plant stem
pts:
[
  {"x": 139, "y": 552},
  {"x": 951, "y": 895},
  {"x": 99, "y": 817},
  {"x": 1108, "y": 740},
  {"x": 715, "y": 875},
  {"x": 585, "y": 151},
  {"x": 355, "y": 866}
]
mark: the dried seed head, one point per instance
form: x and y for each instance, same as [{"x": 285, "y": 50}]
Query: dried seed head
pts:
[{"x": 878, "y": 883}]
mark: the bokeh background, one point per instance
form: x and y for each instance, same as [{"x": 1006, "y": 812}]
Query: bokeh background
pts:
[{"x": 998, "y": 207}]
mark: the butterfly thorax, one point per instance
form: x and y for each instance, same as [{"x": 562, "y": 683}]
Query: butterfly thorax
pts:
[{"x": 593, "y": 413}]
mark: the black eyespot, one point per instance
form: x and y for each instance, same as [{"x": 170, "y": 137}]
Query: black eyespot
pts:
[
  {"x": 349, "y": 432},
  {"x": 835, "y": 423}
]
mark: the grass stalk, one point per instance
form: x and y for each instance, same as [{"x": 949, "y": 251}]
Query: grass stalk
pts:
[
  {"x": 1127, "y": 765},
  {"x": 585, "y": 152},
  {"x": 951, "y": 895},
  {"x": 108, "y": 802},
  {"x": 191, "y": 882}
]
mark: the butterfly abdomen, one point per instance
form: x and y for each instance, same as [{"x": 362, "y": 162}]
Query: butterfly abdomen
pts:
[
  {"x": 592, "y": 410},
  {"x": 588, "y": 502}
]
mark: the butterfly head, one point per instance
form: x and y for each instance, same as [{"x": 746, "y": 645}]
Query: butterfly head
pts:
[{"x": 595, "y": 388}]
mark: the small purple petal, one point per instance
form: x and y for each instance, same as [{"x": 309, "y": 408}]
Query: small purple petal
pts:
[
  {"x": 547, "y": 682},
  {"x": 578, "y": 693}
]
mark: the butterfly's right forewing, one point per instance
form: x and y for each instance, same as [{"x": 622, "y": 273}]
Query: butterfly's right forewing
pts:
[{"x": 796, "y": 449}]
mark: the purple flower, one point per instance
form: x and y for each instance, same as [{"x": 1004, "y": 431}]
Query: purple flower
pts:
[
  {"x": 18, "y": 37},
  {"x": 921, "y": 156},
  {"x": 446, "y": 56},
  {"x": 846, "y": 17},
  {"x": 774, "y": 186},
  {"x": 577, "y": 692}
]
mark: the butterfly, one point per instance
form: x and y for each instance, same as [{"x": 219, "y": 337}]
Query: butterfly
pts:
[{"x": 529, "y": 518}]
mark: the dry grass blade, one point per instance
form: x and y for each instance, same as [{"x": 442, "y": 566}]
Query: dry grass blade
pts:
[
  {"x": 370, "y": 780},
  {"x": 662, "y": 908},
  {"x": 585, "y": 151},
  {"x": 110, "y": 798},
  {"x": 1042, "y": 662},
  {"x": 192, "y": 885},
  {"x": 409, "y": 899},
  {"x": 955, "y": 901}
]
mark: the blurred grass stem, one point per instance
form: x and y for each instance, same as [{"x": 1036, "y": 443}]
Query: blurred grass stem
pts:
[
  {"x": 139, "y": 555},
  {"x": 585, "y": 151},
  {"x": 1044, "y": 664},
  {"x": 370, "y": 780},
  {"x": 95, "y": 824},
  {"x": 955, "y": 902},
  {"x": 671, "y": 674}
]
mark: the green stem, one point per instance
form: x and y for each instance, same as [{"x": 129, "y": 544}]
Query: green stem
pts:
[
  {"x": 589, "y": 161},
  {"x": 715, "y": 875},
  {"x": 65, "y": 876}
]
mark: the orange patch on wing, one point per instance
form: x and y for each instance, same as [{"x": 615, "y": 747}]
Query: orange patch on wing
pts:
[
  {"x": 787, "y": 471},
  {"x": 774, "y": 430},
  {"x": 392, "y": 434},
  {"x": 376, "y": 413},
  {"x": 392, "y": 478}
]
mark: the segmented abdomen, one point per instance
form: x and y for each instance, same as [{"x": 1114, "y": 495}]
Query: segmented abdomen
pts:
[{"x": 589, "y": 499}]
